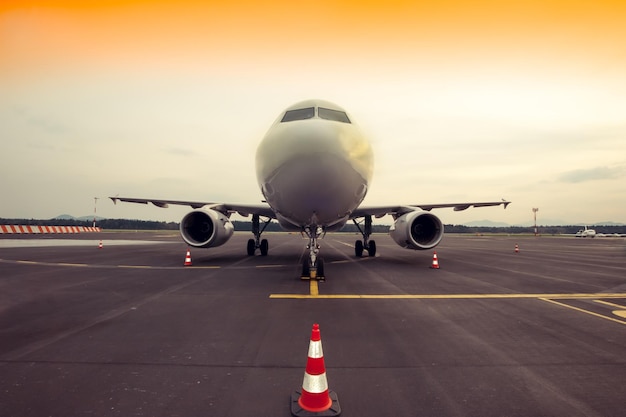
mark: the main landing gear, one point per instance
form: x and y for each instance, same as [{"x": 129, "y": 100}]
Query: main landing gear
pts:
[
  {"x": 366, "y": 231},
  {"x": 313, "y": 267},
  {"x": 257, "y": 243}
]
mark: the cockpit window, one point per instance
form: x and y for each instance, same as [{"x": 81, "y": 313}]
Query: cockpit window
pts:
[
  {"x": 299, "y": 114},
  {"x": 335, "y": 115}
]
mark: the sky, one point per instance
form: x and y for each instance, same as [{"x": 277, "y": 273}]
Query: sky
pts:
[{"x": 462, "y": 100}]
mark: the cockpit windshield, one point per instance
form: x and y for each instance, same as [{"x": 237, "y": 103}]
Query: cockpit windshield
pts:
[
  {"x": 335, "y": 115},
  {"x": 309, "y": 113},
  {"x": 299, "y": 114}
]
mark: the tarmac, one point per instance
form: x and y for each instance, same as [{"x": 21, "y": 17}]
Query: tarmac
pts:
[{"x": 127, "y": 330}]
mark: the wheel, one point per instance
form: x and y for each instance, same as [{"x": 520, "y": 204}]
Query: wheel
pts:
[
  {"x": 265, "y": 247},
  {"x": 358, "y": 248},
  {"x": 320, "y": 268},
  {"x": 251, "y": 247},
  {"x": 371, "y": 249}
]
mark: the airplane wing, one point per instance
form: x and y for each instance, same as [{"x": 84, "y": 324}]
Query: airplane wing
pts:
[
  {"x": 396, "y": 211},
  {"x": 227, "y": 209},
  {"x": 266, "y": 211}
]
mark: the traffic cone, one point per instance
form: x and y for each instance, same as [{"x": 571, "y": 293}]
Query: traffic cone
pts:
[
  {"x": 435, "y": 264},
  {"x": 100, "y": 245},
  {"x": 315, "y": 398},
  {"x": 188, "y": 258},
  {"x": 516, "y": 248}
]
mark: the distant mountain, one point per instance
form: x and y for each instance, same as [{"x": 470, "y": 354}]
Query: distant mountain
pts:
[
  {"x": 609, "y": 224},
  {"x": 562, "y": 223},
  {"x": 485, "y": 223},
  {"x": 545, "y": 222},
  {"x": 542, "y": 223},
  {"x": 64, "y": 217}
]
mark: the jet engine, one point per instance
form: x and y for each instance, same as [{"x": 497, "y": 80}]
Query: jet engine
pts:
[
  {"x": 417, "y": 230},
  {"x": 206, "y": 228}
]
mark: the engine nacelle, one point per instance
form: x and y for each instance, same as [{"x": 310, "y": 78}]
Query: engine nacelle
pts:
[
  {"x": 417, "y": 230},
  {"x": 206, "y": 228}
]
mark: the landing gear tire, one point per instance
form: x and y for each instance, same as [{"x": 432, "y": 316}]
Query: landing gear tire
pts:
[
  {"x": 306, "y": 270},
  {"x": 319, "y": 272},
  {"x": 251, "y": 247},
  {"x": 371, "y": 249},
  {"x": 358, "y": 248},
  {"x": 320, "y": 269},
  {"x": 265, "y": 247}
]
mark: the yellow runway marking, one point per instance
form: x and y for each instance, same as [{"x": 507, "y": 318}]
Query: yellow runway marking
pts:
[
  {"x": 449, "y": 296},
  {"x": 164, "y": 267},
  {"x": 185, "y": 267},
  {"x": 68, "y": 264},
  {"x": 313, "y": 288},
  {"x": 81, "y": 265},
  {"x": 618, "y": 313},
  {"x": 344, "y": 243},
  {"x": 609, "y": 304},
  {"x": 133, "y": 266},
  {"x": 550, "y": 298},
  {"x": 584, "y": 311}
]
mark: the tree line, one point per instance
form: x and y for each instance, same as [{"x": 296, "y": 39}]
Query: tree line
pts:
[{"x": 128, "y": 224}]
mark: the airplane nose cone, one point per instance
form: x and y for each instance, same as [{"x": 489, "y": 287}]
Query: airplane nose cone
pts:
[
  {"x": 322, "y": 187},
  {"x": 292, "y": 140}
]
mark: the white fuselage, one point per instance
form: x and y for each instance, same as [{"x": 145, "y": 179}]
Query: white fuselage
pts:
[
  {"x": 586, "y": 232},
  {"x": 314, "y": 166}
]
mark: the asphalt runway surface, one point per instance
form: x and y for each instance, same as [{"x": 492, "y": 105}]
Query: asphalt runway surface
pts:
[{"x": 127, "y": 330}]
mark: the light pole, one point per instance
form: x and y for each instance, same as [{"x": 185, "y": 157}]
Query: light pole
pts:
[
  {"x": 95, "y": 203},
  {"x": 535, "y": 210}
]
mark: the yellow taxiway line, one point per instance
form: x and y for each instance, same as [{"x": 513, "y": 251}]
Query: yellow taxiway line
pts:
[
  {"x": 619, "y": 313},
  {"x": 582, "y": 310},
  {"x": 314, "y": 293},
  {"x": 550, "y": 298},
  {"x": 313, "y": 288},
  {"x": 610, "y": 304}
]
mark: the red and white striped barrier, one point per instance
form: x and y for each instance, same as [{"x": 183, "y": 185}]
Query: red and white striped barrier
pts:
[{"x": 28, "y": 229}]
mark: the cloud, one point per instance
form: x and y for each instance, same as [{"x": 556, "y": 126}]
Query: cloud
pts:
[
  {"x": 180, "y": 152},
  {"x": 593, "y": 174},
  {"x": 47, "y": 125}
]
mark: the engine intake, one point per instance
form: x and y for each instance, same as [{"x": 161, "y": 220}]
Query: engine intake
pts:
[
  {"x": 206, "y": 228},
  {"x": 417, "y": 230}
]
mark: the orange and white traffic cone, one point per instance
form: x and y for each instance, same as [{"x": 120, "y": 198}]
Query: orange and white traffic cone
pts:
[
  {"x": 435, "y": 264},
  {"x": 188, "y": 258},
  {"x": 516, "y": 248},
  {"x": 100, "y": 245},
  {"x": 315, "y": 398}
]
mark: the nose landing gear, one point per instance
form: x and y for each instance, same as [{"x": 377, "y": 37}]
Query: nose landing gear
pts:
[{"x": 313, "y": 266}]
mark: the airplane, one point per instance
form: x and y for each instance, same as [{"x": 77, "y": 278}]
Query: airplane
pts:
[
  {"x": 586, "y": 232},
  {"x": 313, "y": 167}
]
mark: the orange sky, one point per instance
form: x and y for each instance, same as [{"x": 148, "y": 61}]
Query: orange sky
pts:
[
  {"x": 523, "y": 99},
  {"x": 39, "y": 36}
]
